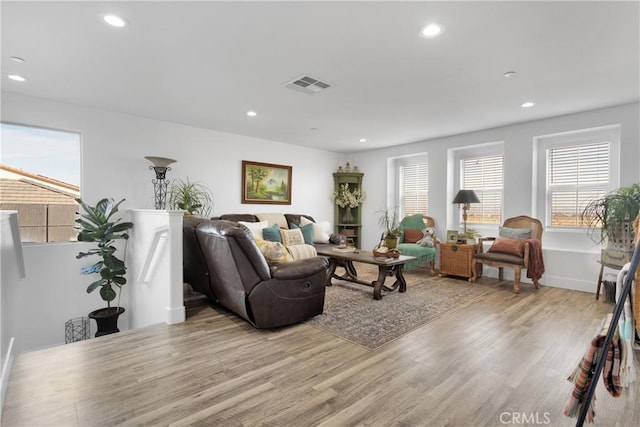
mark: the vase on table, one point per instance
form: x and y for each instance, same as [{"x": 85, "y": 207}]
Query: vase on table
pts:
[{"x": 347, "y": 218}]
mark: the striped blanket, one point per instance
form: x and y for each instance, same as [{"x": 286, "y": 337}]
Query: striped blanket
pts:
[{"x": 583, "y": 374}]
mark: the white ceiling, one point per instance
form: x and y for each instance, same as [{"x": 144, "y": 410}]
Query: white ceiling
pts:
[{"x": 206, "y": 63}]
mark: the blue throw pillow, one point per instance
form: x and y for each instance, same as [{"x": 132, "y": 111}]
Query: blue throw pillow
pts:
[
  {"x": 272, "y": 233},
  {"x": 514, "y": 233},
  {"x": 307, "y": 232}
]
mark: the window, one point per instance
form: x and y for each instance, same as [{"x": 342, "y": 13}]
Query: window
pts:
[
  {"x": 414, "y": 189},
  {"x": 576, "y": 174},
  {"x": 574, "y": 168},
  {"x": 40, "y": 178},
  {"x": 484, "y": 175}
]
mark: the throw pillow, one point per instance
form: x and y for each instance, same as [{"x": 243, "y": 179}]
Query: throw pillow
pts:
[
  {"x": 307, "y": 232},
  {"x": 274, "y": 252},
  {"x": 273, "y": 218},
  {"x": 321, "y": 229},
  {"x": 414, "y": 222},
  {"x": 292, "y": 237},
  {"x": 516, "y": 233},
  {"x": 272, "y": 233},
  {"x": 255, "y": 228},
  {"x": 509, "y": 246},
  {"x": 412, "y": 236}
]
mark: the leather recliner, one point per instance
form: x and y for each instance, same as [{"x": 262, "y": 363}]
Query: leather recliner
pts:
[{"x": 222, "y": 261}]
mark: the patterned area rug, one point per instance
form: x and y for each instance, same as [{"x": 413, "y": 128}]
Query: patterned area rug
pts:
[{"x": 350, "y": 312}]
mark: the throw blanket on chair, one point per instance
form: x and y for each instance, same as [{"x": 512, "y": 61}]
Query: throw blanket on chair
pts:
[
  {"x": 535, "y": 268},
  {"x": 583, "y": 374}
]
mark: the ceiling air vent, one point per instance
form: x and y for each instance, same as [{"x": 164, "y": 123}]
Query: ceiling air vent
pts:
[{"x": 307, "y": 84}]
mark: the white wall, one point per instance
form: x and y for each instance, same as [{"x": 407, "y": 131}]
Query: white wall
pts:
[
  {"x": 576, "y": 269},
  {"x": 113, "y": 165}
]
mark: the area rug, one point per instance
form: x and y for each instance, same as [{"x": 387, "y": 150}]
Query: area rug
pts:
[{"x": 350, "y": 312}]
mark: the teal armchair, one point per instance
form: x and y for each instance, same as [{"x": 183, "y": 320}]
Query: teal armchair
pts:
[{"x": 423, "y": 254}]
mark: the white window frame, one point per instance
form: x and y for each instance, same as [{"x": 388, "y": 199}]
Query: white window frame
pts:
[
  {"x": 420, "y": 192},
  {"x": 487, "y": 149},
  {"x": 542, "y": 144},
  {"x": 395, "y": 165},
  {"x": 479, "y": 191}
]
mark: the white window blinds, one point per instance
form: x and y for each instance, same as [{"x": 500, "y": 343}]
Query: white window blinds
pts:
[
  {"x": 484, "y": 175},
  {"x": 414, "y": 189},
  {"x": 575, "y": 175}
]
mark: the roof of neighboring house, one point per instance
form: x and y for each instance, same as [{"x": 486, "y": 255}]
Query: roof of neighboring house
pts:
[
  {"x": 27, "y": 188},
  {"x": 15, "y": 191}
]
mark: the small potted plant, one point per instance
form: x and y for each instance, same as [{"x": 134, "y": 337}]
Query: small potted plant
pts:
[
  {"x": 96, "y": 225},
  {"x": 389, "y": 221},
  {"x": 192, "y": 197}
]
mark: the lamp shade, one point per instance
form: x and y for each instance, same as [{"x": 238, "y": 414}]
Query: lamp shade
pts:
[
  {"x": 466, "y": 196},
  {"x": 160, "y": 162}
]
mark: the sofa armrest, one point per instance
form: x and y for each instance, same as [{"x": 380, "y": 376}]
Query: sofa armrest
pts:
[{"x": 298, "y": 269}]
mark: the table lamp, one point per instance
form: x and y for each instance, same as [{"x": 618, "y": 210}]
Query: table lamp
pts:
[{"x": 464, "y": 198}]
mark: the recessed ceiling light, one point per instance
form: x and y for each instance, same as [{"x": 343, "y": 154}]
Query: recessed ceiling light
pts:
[
  {"x": 251, "y": 113},
  {"x": 363, "y": 140},
  {"x": 17, "y": 59},
  {"x": 510, "y": 74},
  {"x": 528, "y": 104},
  {"x": 431, "y": 30},
  {"x": 114, "y": 20},
  {"x": 16, "y": 78}
]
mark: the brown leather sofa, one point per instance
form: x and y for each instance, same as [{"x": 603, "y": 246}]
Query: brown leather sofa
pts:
[{"x": 222, "y": 261}]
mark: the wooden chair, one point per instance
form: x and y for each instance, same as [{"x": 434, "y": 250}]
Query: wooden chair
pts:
[
  {"x": 502, "y": 260},
  {"x": 423, "y": 253}
]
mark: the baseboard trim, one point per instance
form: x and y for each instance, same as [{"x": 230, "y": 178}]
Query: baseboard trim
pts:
[
  {"x": 176, "y": 315},
  {"x": 6, "y": 373}
]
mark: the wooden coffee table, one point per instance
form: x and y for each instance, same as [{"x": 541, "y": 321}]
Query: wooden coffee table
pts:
[{"x": 386, "y": 267}]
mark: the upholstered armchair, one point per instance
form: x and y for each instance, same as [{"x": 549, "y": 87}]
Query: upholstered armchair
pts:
[
  {"x": 519, "y": 247},
  {"x": 222, "y": 260},
  {"x": 411, "y": 228}
]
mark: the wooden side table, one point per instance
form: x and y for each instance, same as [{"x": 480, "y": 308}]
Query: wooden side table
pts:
[{"x": 456, "y": 259}]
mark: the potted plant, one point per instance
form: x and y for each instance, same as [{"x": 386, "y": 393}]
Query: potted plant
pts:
[
  {"x": 191, "y": 197},
  {"x": 96, "y": 225},
  {"x": 389, "y": 221},
  {"x": 609, "y": 218}
]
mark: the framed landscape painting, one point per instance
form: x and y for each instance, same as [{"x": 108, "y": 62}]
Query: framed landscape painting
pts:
[{"x": 266, "y": 183}]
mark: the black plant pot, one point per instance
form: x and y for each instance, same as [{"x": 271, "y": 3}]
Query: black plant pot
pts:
[{"x": 107, "y": 320}]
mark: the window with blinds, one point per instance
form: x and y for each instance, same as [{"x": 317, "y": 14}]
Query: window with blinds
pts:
[
  {"x": 414, "y": 189},
  {"x": 484, "y": 175},
  {"x": 575, "y": 175}
]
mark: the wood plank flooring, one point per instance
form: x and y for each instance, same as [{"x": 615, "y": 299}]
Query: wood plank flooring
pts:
[{"x": 501, "y": 360}]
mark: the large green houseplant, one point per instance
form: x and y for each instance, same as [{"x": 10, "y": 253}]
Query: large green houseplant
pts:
[
  {"x": 609, "y": 217},
  {"x": 97, "y": 225},
  {"x": 191, "y": 197}
]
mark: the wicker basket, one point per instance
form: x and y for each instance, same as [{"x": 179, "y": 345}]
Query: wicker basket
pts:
[{"x": 391, "y": 253}]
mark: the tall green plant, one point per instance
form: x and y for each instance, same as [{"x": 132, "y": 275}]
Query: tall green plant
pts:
[
  {"x": 96, "y": 225},
  {"x": 192, "y": 197},
  {"x": 388, "y": 219},
  {"x": 605, "y": 217}
]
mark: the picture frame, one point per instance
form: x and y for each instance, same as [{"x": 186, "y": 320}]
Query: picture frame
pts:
[
  {"x": 266, "y": 183},
  {"x": 452, "y": 236}
]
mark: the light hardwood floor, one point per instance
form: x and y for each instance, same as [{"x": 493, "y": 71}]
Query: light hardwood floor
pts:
[{"x": 501, "y": 360}]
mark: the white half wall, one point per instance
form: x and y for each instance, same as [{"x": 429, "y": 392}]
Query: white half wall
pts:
[{"x": 155, "y": 272}]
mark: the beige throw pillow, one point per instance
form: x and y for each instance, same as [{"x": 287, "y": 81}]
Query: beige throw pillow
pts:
[{"x": 292, "y": 237}]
